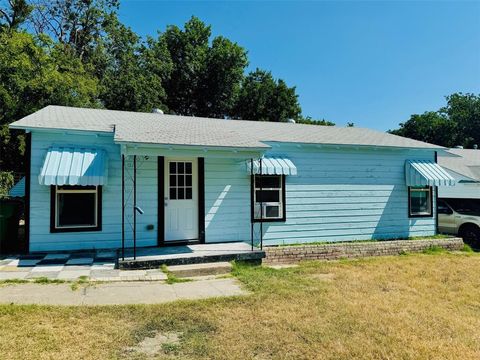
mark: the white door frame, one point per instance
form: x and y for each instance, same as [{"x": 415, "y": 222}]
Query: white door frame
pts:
[{"x": 181, "y": 200}]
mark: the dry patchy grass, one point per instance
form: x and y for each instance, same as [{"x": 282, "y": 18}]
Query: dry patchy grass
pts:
[{"x": 406, "y": 307}]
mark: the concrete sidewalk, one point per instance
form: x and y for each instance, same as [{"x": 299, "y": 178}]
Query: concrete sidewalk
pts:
[{"x": 119, "y": 293}]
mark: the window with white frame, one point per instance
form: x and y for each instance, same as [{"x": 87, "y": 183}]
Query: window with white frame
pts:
[
  {"x": 420, "y": 201},
  {"x": 76, "y": 208},
  {"x": 269, "y": 197}
]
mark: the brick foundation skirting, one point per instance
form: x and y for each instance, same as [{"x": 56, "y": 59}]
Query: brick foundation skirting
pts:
[{"x": 350, "y": 250}]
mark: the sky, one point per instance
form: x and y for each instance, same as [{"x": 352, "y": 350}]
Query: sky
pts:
[{"x": 371, "y": 63}]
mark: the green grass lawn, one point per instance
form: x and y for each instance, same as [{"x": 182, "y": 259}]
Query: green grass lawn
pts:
[{"x": 423, "y": 306}]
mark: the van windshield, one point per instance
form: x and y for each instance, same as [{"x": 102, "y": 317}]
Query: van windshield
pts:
[{"x": 465, "y": 206}]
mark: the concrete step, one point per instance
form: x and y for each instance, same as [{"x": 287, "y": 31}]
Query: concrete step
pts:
[{"x": 201, "y": 269}]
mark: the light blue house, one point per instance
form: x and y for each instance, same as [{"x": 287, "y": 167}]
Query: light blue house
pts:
[{"x": 107, "y": 179}]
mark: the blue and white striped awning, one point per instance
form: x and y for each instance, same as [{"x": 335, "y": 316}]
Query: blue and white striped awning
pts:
[
  {"x": 426, "y": 173},
  {"x": 272, "y": 166},
  {"x": 74, "y": 166}
]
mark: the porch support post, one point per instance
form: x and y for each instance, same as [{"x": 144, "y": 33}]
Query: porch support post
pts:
[
  {"x": 134, "y": 207},
  {"x": 123, "y": 207},
  {"x": 435, "y": 189},
  {"x": 261, "y": 207},
  {"x": 252, "y": 180}
]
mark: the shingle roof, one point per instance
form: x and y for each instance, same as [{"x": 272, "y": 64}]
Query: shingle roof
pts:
[
  {"x": 187, "y": 130},
  {"x": 465, "y": 162}
]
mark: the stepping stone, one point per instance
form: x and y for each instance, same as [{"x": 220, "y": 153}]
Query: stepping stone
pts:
[
  {"x": 103, "y": 266},
  {"x": 28, "y": 262},
  {"x": 80, "y": 261},
  {"x": 106, "y": 255},
  {"x": 56, "y": 256},
  {"x": 47, "y": 268},
  {"x": 191, "y": 270}
]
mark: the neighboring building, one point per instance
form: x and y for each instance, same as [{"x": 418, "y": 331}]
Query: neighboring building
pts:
[
  {"x": 189, "y": 179},
  {"x": 464, "y": 166}
]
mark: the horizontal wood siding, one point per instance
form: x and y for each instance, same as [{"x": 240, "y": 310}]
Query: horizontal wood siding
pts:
[
  {"x": 346, "y": 194},
  {"x": 227, "y": 200},
  {"x": 339, "y": 194},
  {"x": 110, "y": 236}
]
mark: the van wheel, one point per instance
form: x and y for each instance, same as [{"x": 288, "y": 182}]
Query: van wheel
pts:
[{"x": 471, "y": 235}]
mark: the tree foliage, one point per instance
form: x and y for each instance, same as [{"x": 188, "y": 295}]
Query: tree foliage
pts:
[
  {"x": 133, "y": 73},
  {"x": 308, "y": 120},
  {"x": 35, "y": 73},
  {"x": 457, "y": 123},
  {"x": 77, "y": 24},
  {"x": 263, "y": 98},
  {"x": 205, "y": 78},
  {"x": 13, "y": 13},
  {"x": 77, "y": 53}
]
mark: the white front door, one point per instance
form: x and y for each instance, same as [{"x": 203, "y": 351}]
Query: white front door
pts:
[{"x": 181, "y": 199}]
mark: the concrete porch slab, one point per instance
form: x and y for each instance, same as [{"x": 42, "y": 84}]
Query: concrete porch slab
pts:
[{"x": 150, "y": 258}]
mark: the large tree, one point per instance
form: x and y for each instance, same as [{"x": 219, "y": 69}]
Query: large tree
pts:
[
  {"x": 457, "y": 123},
  {"x": 14, "y": 13},
  {"x": 35, "y": 73},
  {"x": 134, "y": 73},
  {"x": 77, "y": 24},
  {"x": 266, "y": 99},
  {"x": 205, "y": 78}
]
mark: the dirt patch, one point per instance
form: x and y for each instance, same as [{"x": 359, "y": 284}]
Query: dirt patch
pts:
[{"x": 160, "y": 343}]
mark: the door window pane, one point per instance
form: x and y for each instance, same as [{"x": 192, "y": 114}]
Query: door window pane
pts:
[
  {"x": 180, "y": 186},
  {"x": 181, "y": 193}
]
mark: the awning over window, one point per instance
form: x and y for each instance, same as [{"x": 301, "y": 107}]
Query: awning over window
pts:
[
  {"x": 426, "y": 173},
  {"x": 74, "y": 166},
  {"x": 272, "y": 166}
]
